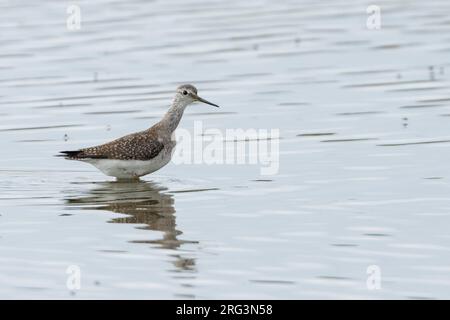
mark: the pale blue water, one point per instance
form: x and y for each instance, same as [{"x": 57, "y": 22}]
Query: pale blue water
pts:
[{"x": 363, "y": 180}]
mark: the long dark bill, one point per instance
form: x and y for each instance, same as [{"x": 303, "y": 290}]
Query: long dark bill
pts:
[{"x": 206, "y": 101}]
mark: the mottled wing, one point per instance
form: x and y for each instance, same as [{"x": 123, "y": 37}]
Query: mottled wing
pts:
[{"x": 137, "y": 146}]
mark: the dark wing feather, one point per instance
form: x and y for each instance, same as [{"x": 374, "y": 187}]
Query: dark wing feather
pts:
[{"x": 136, "y": 146}]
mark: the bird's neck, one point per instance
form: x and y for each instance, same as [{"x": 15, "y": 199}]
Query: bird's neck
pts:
[{"x": 173, "y": 116}]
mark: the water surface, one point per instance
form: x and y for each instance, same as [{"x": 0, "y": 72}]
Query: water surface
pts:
[{"x": 363, "y": 180}]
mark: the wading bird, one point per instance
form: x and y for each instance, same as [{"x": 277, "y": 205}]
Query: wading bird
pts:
[{"x": 138, "y": 154}]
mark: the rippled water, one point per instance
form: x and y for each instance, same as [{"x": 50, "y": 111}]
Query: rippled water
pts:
[{"x": 363, "y": 117}]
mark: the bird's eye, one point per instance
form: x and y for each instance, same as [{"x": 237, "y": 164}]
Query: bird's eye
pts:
[{"x": 185, "y": 92}]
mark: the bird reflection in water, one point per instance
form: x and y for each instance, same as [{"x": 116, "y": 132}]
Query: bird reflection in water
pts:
[{"x": 146, "y": 204}]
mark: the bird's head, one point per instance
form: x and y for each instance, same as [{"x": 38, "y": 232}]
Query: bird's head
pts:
[{"x": 187, "y": 94}]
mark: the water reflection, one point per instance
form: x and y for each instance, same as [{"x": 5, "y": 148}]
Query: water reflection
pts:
[{"x": 146, "y": 204}]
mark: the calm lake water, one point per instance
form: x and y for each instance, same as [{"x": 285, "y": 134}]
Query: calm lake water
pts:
[{"x": 364, "y": 144}]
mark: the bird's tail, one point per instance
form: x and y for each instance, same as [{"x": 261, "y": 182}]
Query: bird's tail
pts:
[{"x": 69, "y": 154}]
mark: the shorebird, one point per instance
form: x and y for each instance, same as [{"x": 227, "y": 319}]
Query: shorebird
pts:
[{"x": 138, "y": 154}]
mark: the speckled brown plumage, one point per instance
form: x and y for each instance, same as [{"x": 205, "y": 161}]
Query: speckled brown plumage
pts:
[{"x": 136, "y": 146}]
